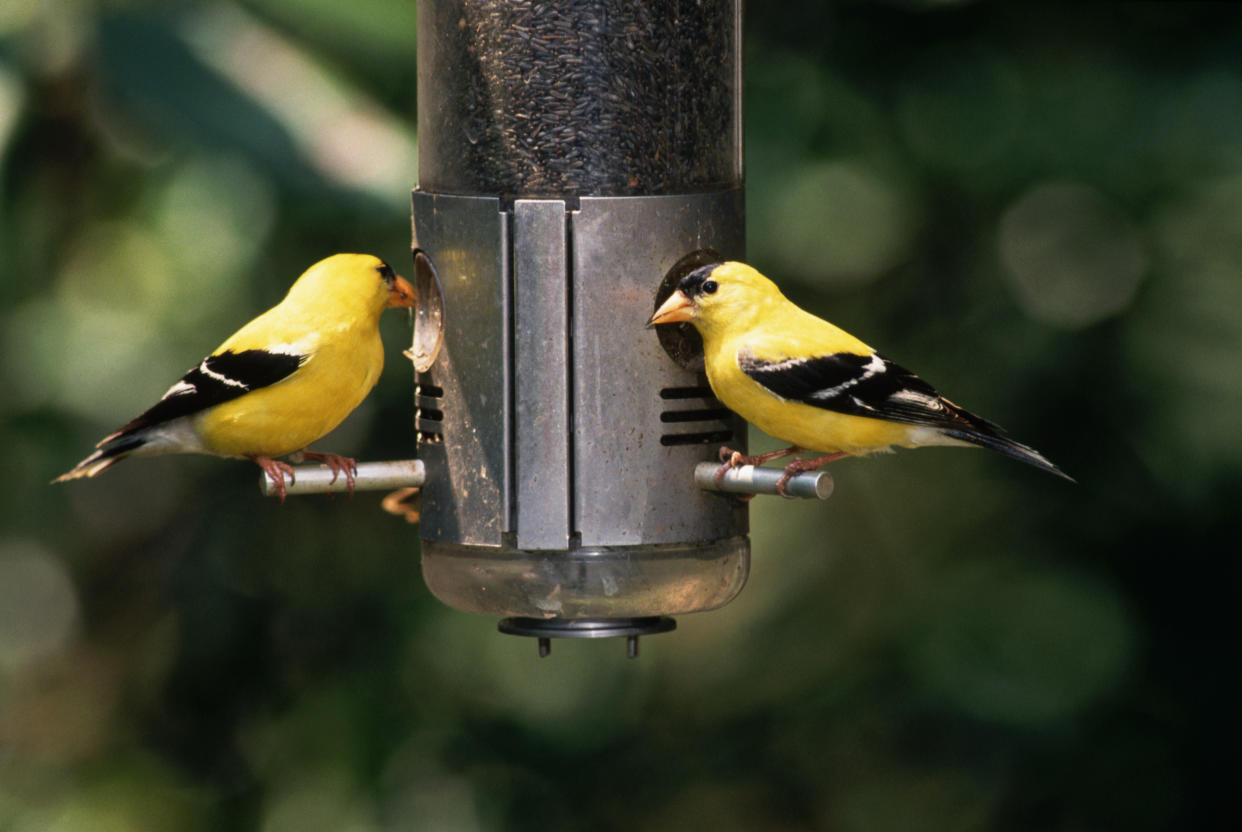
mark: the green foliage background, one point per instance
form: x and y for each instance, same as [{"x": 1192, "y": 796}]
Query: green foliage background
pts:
[{"x": 1037, "y": 208}]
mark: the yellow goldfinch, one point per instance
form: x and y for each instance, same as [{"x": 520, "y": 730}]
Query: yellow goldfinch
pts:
[
  {"x": 804, "y": 381},
  {"x": 280, "y": 382}
]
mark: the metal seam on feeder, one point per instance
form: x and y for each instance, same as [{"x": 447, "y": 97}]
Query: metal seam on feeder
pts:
[
  {"x": 371, "y": 476},
  {"x": 753, "y": 479}
]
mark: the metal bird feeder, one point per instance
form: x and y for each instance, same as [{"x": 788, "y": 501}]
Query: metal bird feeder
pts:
[
  {"x": 574, "y": 155},
  {"x": 576, "y": 159}
]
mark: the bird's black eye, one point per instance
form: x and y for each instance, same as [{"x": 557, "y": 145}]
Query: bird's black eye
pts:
[{"x": 709, "y": 287}]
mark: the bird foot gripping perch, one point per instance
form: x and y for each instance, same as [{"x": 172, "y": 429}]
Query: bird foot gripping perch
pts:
[
  {"x": 811, "y": 486},
  {"x": 752, "y": 479},
  {"x": 339, "y": 465},
  {"x": 367, "y": 476},
  {"x": 276, "y": 471}
]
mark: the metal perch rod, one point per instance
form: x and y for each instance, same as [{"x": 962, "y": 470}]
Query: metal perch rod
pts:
[
  {"x": 752, "y": 479},
  {"x": 371, "y": 476}
]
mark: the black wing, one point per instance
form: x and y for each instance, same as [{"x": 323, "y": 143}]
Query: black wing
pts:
[
  {"x": 861, "y": 385},
  {"x": 219, "y": 378},
  {"x": 873, "y": 386}
]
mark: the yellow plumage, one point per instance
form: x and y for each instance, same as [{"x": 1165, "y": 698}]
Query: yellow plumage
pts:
[
  {"x": 807, "y": 382},
  {"x": 331, "y": 315},
  {"x": 773, "y": 329},
  {"x": 280, "y": 382}
]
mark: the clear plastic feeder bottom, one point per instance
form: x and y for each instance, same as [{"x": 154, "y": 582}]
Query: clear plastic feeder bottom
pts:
[{"x": 597, "y": 583}]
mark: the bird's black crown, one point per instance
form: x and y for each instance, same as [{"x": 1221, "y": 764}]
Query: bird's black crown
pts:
[{"x": 699, "y": 281}]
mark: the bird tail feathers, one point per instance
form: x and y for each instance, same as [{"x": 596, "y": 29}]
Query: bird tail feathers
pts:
[
  {"x": 103, "y": 459},
  {"x": 1008, "y": 447}
]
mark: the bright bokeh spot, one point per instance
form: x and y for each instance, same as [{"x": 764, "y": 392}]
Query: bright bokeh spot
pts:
[
  {"x": 16, "y": 14},
  {"x": 421, "y": 785},
  {"x": 1190, "y": 372},
  {"x": 221, "y": 207},
  {"x": 346, "y": 135},
  {"x": 137, "y": 793},
  {"x": 836, "y": 222},
  {"x": 55, "y": 32},
  {"x": 38, "y": 604},
  {"x": 116, "y": 268},
  {"x": 319, "y": 802},
  {"x": 1070, "y": 255},
  {"x": 12, "y": 98},
  {"x": 83, "y": 346}
]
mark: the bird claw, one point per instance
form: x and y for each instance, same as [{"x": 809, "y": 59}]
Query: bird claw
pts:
[
  {"x": 339, "y": 465},
  {"x": 732, "y": 459},
  {"x": 782, "y": 482},
  {"x": 800, "y": 466},
  {"x": 276, "y": 472}
]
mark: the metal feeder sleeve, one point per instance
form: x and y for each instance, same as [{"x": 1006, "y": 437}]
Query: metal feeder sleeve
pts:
[{"x": 572, "y": 155}]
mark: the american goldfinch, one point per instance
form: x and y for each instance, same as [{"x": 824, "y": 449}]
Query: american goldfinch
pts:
[
  {"x": 280, "y": 382},
  {"x": 804, "y": 381}
]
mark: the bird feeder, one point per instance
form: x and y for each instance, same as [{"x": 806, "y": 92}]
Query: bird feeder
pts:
[
  {"x": 576, "y": 159},
  {"x": 574, "y": 156}
]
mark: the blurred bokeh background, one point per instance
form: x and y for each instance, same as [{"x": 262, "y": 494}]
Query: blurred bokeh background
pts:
[{"x": 1039, "y": 209}]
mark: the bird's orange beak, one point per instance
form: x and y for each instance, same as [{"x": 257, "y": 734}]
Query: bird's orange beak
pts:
[
  {"x": 401, "y": 293},
  {"x": 677, "y": 308}
]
